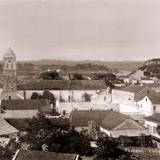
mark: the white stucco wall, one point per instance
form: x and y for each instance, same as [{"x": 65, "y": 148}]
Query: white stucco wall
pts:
[
  {"x": 75, "y": 94},
  {"x": 122, "y": 97},
  {"x": 151, "y": 127},
  {"x": 145, "y": 106}
]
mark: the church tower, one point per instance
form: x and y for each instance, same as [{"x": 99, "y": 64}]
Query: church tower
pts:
[{"x": 9, "y": 75}]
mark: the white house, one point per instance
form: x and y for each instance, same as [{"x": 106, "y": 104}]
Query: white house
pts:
[
  {"x": 152, "y": 122},
  {"x": 137, "y": 99}
]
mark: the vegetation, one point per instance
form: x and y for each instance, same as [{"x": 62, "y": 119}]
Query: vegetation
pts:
[
  {"x": 77, "y": 76},
  {"x": 46, "y": 95},
  {"x": 5, "y": 153},
  {"x": 56, "y": 135},
  {"x": 89, "y": 67},
  {"x": 86, "y": 97},
  {"x": 50, "y": 75},
  {"x": 141, "y": 141},
  {"x": 108, "y": 149}
]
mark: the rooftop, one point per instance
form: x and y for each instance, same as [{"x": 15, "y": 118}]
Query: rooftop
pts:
[
  {"x": 81, "y": 117},
  {"x": 6, "y": 128},
  {"x": 133, "y": 88},
  {"x": 40, "y": 155},
  {"x": 150, "y": 93},
  {"x": 154, "y": 118},
  {"x": 110, "y": 120},
  {"x": 64, "y": 85},
  {"x": 20, "y": 104},
  {"x": 113, "y": 119}
]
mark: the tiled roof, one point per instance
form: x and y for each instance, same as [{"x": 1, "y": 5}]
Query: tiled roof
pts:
[
  {"x": 133, "y": 88},
  {"x": 150, "y": 93},
  {"x": 64, "y": 85},
  {"x": 6, "y": 128},
  {"x": 142, "y": 91},
  {"x": 113, "y": 119},
  {"x": 23, "y": 104},
  {"x": 154, "y": 118},
  {"x": 107, "y": 119},
  {"x": 81, "y": 117},
  {"x": 40, "y": 155},
  {"x": 45, "y": 85}
]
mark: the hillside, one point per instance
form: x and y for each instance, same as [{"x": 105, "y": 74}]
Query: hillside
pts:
[
  {"x": 119, "y": 65},
  {"x": 150, "y": 68}
]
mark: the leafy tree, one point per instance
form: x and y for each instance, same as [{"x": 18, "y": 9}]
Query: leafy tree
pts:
[
  {"x": 108, "y": 149},
  {"x": 57, "y": 135},
  {"x": 86, "y": 97},
  {"x": 50, "y": 75},
  {"x": 35, "y": 95},
  {"x": 77, "y": 76},
  {"x": 49, "y": 96},
  {"x": 5, "y": 153}
]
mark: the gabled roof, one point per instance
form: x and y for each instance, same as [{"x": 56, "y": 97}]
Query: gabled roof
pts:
[
  {"x": 129, "y": 124},
  {"x": 133, "y": 88},
  {"x": 150, "y": 93},
  {"x": 6, "y": 128},
  {"x": 142, "y": 91},
  {"x": 64, "y": 85},
  {"x": 105, "y": 118},
  {"x": 23, "y": 104},
  {"x": 116, "y": 123},
  {"x": 154, "y": 118},
  {"x": 80, "y": 118},
  {"x": 40, "y": 155},
  {"x": 113, "y": 119}
]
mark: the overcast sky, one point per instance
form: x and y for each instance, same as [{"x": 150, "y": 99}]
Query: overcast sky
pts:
[{"x": 81, "y": 29}]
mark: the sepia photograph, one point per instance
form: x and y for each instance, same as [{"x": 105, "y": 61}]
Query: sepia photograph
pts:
[{"x": 79, "y": 79}]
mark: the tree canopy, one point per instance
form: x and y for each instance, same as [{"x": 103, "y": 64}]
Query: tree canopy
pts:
[{"x": 57, "y": 135}]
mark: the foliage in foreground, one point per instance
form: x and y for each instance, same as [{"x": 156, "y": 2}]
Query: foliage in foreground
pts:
[{"x": 56, "y": 135}]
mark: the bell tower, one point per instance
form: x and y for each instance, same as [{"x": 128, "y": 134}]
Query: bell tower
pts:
[{"x": 9, "y": 75}]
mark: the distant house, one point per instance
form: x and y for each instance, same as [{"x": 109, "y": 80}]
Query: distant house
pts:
[
  {"x": 140, "y": 98},
  {"x": 23, "y": 108},
  {"x": 146, "y": 81},
  {"x": 41, "y": 155},
  {"x": 112, "y": 123},
  {"x": 152, "y": 122}
]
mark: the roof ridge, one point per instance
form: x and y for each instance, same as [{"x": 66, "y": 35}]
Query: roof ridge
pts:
[{"x": 142, "y": 89}]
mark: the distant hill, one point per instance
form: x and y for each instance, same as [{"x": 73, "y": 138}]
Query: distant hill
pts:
[
  {"x": 150, "y": 68},
  {"x": 120, "y": 65}
]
